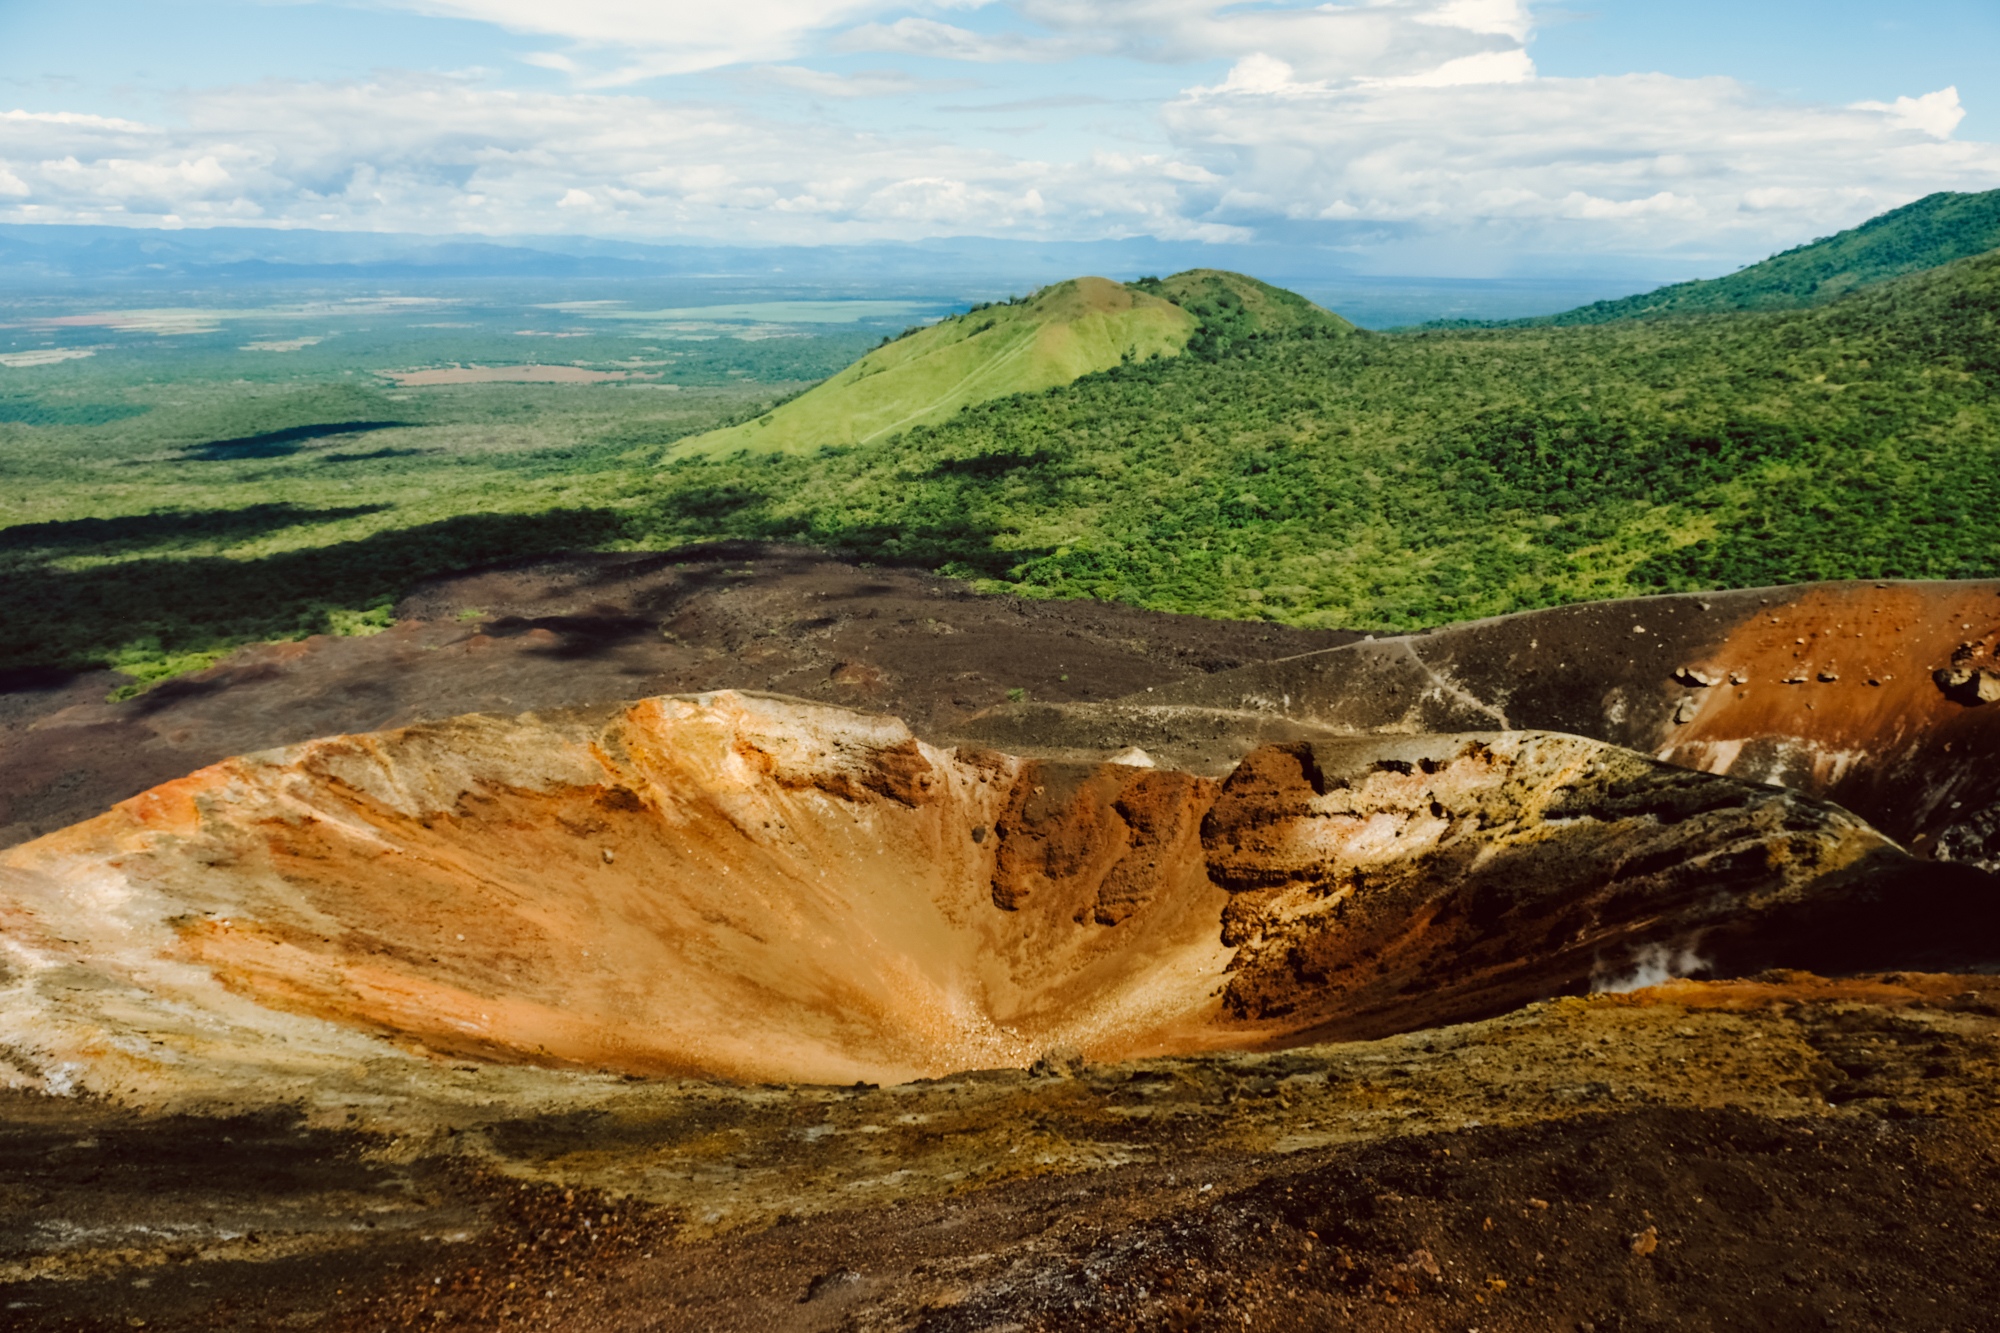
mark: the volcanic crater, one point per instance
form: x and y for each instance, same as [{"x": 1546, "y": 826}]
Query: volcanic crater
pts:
[
  {"x": 762, "y": 888},
  {"x": 537, "y": 962}
]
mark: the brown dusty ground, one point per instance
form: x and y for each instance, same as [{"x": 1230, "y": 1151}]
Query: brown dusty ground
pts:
[
  {"x": 604, "y": 629},
  {"x": 1784, "y": 1153}
]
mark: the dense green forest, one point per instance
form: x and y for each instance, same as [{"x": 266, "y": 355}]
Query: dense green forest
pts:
[
  {"x": 1394, "y": 481},
  {"x": 1930, "y": 232},
  {"x": 1005, "y": 349},
  {"x": 1292, "y": 470}
]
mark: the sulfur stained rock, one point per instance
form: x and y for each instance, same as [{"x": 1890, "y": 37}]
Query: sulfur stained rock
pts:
[
  {"x": 1382, "y": 884},
  {"x": 766, "y": 889}
]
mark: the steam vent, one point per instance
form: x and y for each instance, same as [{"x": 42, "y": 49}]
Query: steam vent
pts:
[{"x": 1349, "y": 844}]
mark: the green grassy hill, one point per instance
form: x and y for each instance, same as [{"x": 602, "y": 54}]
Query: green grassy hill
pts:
[
  {"x": 1060, "y": 333},
  {"x": 1051, "y": 338},
  {"x": 1233, "y": 306},
  {"x": 1934, "y": 230},
  {"x": 1393, "y": 481}
]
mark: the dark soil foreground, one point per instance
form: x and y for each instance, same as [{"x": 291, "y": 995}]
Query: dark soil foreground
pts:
[
  {"x": 1784, "y": 1152},
  {"x": 596, "y": 629},
  {"x": 1665, "y": 1219},
  {"x": 1680, "y": 1191}
]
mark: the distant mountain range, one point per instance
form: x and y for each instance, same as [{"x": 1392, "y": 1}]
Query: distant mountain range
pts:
[{"x": 1932, "y": 231}]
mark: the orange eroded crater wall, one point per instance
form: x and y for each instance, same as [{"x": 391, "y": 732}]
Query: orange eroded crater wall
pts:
[
  {"x": 761, "y": 891},
  {"x": 762, "y": 888},
  {"x": 1879, "y": 736}
]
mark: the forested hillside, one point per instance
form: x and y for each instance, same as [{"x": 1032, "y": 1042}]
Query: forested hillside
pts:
[
  {"x": 1284, "y": 466},
  {"x": 1036, "y": 342},
  {"x": 1394, "y": 481},
  {"x": 1933, "y": 231},
  {"x": 1230, "y": 307},
  {"x": 1043, "y": 340}
]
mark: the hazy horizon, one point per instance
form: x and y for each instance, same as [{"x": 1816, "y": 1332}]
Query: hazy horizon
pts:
[{"x": 1431, "y": 139}]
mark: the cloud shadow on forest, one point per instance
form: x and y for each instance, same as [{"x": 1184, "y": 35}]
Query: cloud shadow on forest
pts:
[
  {"x": 282, "y": 443},
  {"x": 70, "y": 618},
  {"x": 166, "y": 527}
]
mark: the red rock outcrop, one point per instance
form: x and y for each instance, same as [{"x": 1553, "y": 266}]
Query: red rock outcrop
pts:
[
  {"x": 1381, "y": 885},
  {"x": 1830, "y": 689}
]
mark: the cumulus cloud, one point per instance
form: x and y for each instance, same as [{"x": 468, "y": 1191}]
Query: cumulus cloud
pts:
[
  {"x": 1486, "y": 67},
  {"x": 644, "y": 38},
  {"x": 1936, "y": 114},
  {"x": 1411, "y": 115},
  {"x": 621, "y": 41},
  {"x": 442, "y": 155},
  {"x": 1506, "y": 18},
  {"x": 69, "y": 118},
  {"x": 1647, "y": 161},
  {"x": 1375, "y": 38}
]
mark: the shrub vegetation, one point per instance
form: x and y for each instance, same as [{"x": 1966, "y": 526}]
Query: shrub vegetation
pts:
[{"x": 1286, "y": 467}]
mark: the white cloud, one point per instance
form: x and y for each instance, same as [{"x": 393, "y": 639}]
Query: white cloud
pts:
[
  {"x": 1420, "y": 115},
  {"x": 621, "y": 41},
  {"x": 645, "y": 38},
  {"x": 1665, "y": 204},
  {"x": 1356, "y": 38},
  {"x": 862, "y": 83},
  {"x": 1506, "y": 18},
  {"x": 1260, "y": 74},
  {"x": 944, "y": 41},
  {"x": 439, "y": 155},
  {"x": 554, "y": 60},
  {"x": 1936, "y": 114},
  {"x": 72, "y": 118},
  {"x": 1486, "y": 67},
  {"x": 1633, "y": 163}
]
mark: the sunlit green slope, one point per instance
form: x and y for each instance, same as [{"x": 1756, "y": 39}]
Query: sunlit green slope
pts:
[
  {"x": 1387, "y": 481},
  {"x": 1053, "y": 337},
  {"x": 1931, "y": 232}
]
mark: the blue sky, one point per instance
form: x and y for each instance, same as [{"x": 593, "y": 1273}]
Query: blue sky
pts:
[
  {"x": 1438, "y": 136},
  {"x": 1834, "y": 51}
]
